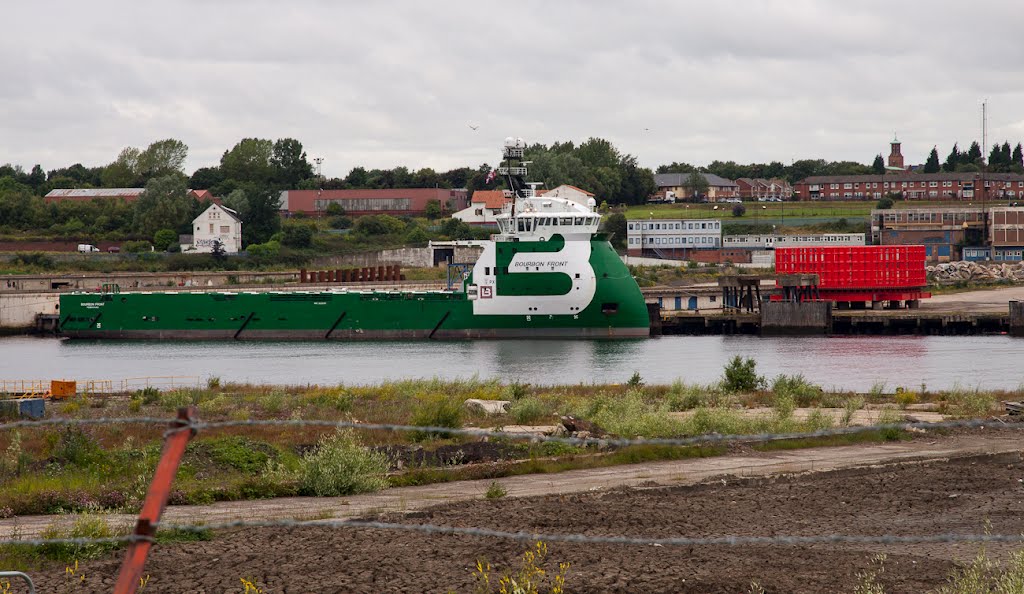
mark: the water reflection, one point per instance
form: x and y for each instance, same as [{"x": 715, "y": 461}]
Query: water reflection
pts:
[{"x": 842, "y": 362}]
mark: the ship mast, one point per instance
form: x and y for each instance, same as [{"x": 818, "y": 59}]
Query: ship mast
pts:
[{"x": 514, "y": 170}]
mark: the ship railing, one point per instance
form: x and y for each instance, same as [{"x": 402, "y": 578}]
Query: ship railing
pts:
[
  {"x": 514, "y": 152},
  {"x": 24, "y": 388},
  {"x": 520, "y": 171}
]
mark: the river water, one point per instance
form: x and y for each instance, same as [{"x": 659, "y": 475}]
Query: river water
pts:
[{"x": 848, "y": 363}]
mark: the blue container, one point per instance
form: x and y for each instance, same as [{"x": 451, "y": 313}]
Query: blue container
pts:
[{"x": 26, "y": 408}]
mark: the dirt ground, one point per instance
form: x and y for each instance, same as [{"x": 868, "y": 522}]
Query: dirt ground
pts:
[
  {"x": 988, "y": 300},
  {"x": 958, "y": 495}
]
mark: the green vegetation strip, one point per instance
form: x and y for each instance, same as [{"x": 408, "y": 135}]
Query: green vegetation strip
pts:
[{"x": 64, "y": 469}]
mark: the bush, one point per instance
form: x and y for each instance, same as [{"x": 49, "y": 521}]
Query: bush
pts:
[
  {"x": 378, "y": 225},
  {"x": 163, "y": 239},
  {"x": 741, "y": 376},
  {"x": 630, "y": 415},
  {"x": 34, "y": 259},
  {"x": 495, "y": 491},
  {"x": 968, "y": 403},
  {"x": 884, "y": 204},
  {"x": 739, "y": 210},
  {"x": 417, "y": 236},
  {"x": 268, "y": 250},
  {"x": 339, "y": 222},
  {"x": 341, "y": 466},
  {"x": 297, "y": 236},
  {"x": 433, "y": 209},
  {"x": 443, "y": 411},
  {"x": 135, "y": 247},
  {"x": 803, "y": 392},
  {"x": 85, "y": 526},
  {"x": 526, "y": 411}
]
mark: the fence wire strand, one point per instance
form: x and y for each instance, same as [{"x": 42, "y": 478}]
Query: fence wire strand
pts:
[
  {"x": 729, "y": 540},
  {"x": 492, "y": 434},
  {"x": 38, "y": 542}
]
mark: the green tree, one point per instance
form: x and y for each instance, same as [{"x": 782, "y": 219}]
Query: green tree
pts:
[
  {"x": 973, "y": 154},
  {"x": 124, "y": 172},
  {"x": 1017, "y": 157},
  {"x": 675, "y": 167},
  {"x": 163, "y": 205},
  {"x": 878, "y": 166},
  {"x": 697, "y": 184},
  {"x": 884, "y": 204},
  {"x": 261, "y": 217},
  {"x": 206, "y": 178},
  {"x": 433, "y": 209},
  {"x": 637, "y": 182},
  {"x": 249, "y": 161},
  {"x": 932, "y": 164},
  {"x": 953, "y": 159},
  {"x": 162, "y": 158},
  {"x": 615, "y": 227},
  {"x": 164, "y": 238},
  {"x": 289, "y": 163}
]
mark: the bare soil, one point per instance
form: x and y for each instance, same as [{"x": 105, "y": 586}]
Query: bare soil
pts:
[{"x": 956, "y": 495}]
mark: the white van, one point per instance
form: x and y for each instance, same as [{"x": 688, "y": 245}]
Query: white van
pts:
[{"x": 85, "y": 248}]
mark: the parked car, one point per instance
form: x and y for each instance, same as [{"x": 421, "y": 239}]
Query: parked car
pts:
[{"x": 114, "y": 249}]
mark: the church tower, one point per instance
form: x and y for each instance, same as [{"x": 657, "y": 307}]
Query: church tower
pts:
[{"x": 895, "y": 157}]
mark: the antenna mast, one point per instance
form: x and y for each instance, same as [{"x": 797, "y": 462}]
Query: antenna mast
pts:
[{"x": 984, "y": 127}]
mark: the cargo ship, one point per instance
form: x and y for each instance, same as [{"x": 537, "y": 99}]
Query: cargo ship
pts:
[{"x": 547, "y": 273}]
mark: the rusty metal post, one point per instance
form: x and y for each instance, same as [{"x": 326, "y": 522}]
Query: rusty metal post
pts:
[
  {"x": 156, "y": 500},
  {"x": 337, "y": 275},
  {"x": 302, "y": 275}
]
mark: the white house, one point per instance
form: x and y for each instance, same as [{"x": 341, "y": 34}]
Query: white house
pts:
[
  {"x": 482, "y": 207},
  {"x": 569, "y": 193},
  {"x": 216, "y": 223}
]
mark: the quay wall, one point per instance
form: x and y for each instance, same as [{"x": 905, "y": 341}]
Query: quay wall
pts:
[{"x": 786, "y": 317}]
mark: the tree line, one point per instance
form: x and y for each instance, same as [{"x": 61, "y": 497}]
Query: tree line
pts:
[{"x": 251, "y": 175}]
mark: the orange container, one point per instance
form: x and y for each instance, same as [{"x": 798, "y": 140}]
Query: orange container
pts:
[{"x": 61, "y": 389}]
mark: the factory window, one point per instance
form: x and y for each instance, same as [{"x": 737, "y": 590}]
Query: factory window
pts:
[{"x": 630, "y": 226}]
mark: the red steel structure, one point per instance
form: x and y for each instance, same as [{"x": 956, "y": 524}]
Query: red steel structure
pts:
[{"x": 872, "y": 273}]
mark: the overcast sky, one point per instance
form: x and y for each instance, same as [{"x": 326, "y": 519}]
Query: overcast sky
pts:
[{"x": 397, "y": 83}]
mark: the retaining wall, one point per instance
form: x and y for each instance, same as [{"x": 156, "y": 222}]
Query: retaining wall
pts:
[{"x": 785, "y": 317}]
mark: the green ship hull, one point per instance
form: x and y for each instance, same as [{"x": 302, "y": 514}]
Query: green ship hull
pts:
[{"x": 517, "y": 289}]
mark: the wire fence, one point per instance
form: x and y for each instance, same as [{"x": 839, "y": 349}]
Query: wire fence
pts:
[
  {"x": 712, "y": 438},
  {"x": 183, "y": 428}
]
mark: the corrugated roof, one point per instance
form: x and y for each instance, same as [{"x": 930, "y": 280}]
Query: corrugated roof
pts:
[
  {"x": 94, "y": 192},
  {"x": 671, "y": 180}
]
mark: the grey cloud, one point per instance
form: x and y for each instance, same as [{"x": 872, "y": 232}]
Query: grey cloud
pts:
[{"x": 393, "y": 83}]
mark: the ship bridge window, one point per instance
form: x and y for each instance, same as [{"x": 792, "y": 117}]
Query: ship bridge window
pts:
[{"x": 566, "y": 220}]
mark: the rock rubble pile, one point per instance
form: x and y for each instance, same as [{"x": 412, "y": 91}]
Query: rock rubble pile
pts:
[{"x": 956, "y": 272}]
